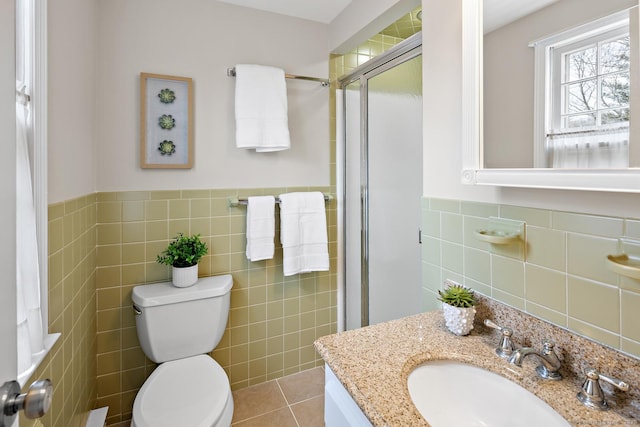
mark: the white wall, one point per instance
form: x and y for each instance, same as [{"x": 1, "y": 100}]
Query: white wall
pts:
[
  {"x": 72, "y": 100},
  {"x": 442, "y": 63},
  {"x": 98, "y": 49},
  {"x": 201, "y": 39}
]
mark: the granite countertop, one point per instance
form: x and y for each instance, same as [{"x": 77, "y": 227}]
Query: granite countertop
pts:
[{"x": 373, "y": 364}]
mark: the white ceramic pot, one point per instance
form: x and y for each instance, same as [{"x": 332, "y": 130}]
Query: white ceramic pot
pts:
[
  {"x": 459, "y": 320},
  {"x": 185, "y": 276}
]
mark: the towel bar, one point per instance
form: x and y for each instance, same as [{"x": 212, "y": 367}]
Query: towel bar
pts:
[
  {"x": 235, "y": 201},
  {"x": 231, "y": 72}
]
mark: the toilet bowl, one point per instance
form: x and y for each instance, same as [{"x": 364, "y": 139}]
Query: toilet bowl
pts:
[
  {"x": 190, "y": 392},
  {"x": 177, "y": 327}
]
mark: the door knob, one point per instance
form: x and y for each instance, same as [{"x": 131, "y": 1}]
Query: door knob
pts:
[{"x": 35, "y": 402}]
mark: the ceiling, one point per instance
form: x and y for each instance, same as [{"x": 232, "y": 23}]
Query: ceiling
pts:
[
  {"x": 323, "y": 11},
  {"x": 496, "y": 12},
  {"x": 501, "y": 12}
]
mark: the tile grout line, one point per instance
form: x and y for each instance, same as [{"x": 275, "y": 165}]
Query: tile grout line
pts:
[
  {"x": 294, "y": 416},
  {"x": 308, "y": 399},
  {"x": 266, "y": 412},
  {"x": 282, "y": 391},
  {"x": 288, "y": 404},
  {"x": 258, "y": 416}
]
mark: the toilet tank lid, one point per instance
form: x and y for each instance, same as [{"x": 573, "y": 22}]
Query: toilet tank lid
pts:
[{"x": 165, "y": 293}]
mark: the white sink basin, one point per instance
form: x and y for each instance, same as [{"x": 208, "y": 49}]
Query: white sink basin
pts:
[{"x": 454, "y": 394}]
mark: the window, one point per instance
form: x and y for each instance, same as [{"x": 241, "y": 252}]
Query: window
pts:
[
  {"x": 584, "y": 79},
  {"x": 31, "y": 202},
  {"x": 592, "y": 86}
]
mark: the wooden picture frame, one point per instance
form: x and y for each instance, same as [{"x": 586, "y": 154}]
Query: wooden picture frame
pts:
[{"x": 166, "y": 122}]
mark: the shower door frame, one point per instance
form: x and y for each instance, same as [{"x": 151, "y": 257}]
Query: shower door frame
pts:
[{"x": 398, "y": 54}]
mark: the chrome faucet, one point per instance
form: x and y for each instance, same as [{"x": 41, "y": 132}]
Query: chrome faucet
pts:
[{"x": 550, "y": 364}]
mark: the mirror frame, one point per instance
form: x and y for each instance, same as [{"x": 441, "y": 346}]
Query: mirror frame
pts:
[{"x": 622, "y": 180}]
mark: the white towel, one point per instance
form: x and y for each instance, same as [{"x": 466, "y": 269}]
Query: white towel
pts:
[
  {"x": 260, "y": 227},
  {"x": 303, "y": 232},
  {"x": 261, "y": 108}
]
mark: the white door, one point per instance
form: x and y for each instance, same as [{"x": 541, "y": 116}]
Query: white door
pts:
[{"x": 8, "y": 365}]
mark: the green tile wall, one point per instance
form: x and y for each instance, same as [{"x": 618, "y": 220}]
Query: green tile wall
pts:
[
  {"x": 71, "y": 364},
  {"x": 273, "y": 319},
  {"x": 563, "y": 278}
]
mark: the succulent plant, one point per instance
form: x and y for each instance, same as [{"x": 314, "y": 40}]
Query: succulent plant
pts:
[
  {"x": 183, "y": 251},
  {"x": 167, "y": 96},
  {"x": 167, "y": 148},
  {"x": 457, "y": 296},
  {"x": 166, "y": 121}
]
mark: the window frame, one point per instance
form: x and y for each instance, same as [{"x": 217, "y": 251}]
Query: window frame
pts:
[
  {"x": 38, "y": 75},
  {"x": 558, "y": 69}
]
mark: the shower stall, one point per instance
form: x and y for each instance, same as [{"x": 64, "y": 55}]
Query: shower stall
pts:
[{"x": 379, "y": 153}]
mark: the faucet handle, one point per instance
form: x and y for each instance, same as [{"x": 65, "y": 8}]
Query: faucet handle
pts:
[
  {"x": 547, "y": 347},
  {"x": 505, "y": 346},
  {"x": 591, "y": 394}
]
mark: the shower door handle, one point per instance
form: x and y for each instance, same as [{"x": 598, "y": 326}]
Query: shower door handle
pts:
[{"x": 419, "y": 236}]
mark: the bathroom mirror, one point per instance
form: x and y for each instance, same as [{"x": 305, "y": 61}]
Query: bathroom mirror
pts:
[{"x": 521, "y": 117}]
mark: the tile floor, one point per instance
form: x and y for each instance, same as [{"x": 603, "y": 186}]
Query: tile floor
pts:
[
  {"x": 293, "y": 401},
  {"x": 296, "y": 400}
]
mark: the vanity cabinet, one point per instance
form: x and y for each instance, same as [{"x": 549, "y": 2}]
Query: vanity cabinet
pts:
[{"x": 340, "y": 409}]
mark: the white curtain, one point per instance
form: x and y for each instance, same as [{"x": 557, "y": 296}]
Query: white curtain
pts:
[
  {"x": 30, "y": 331},
  {"x": 595, "y": 149}
]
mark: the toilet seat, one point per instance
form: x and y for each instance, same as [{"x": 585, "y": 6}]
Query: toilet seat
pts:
[{"x": 190, "y": 392}]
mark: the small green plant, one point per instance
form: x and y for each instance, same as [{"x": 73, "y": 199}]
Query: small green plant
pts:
[
  {"x": 184, "y": 251},
  {"x": 457, "y": 296}
]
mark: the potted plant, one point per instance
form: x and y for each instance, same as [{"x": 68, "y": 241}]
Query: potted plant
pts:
[
  {"x": 458, "y": 306},
  {"x": 183, "y": 254}
]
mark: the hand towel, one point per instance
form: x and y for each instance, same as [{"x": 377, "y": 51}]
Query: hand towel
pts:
[
  {"x": 303, "y": 233},
  {"x": 260, "y": 227},
  {"x": 261, "y": 108}
]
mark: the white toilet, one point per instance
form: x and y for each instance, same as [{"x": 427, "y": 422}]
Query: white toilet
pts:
[{"x": 176, "y": 328}]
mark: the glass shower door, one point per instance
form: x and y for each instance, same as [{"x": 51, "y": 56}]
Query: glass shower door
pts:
[
  {"x": 394, "y": 191},
  {"x": 383, "y": 190}
]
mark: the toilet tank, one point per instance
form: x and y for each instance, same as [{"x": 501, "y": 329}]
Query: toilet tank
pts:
[{"x": 174, "y": 323}]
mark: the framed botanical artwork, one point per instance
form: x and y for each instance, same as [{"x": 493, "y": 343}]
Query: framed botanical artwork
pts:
[{"x": 166, "y": 121}]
